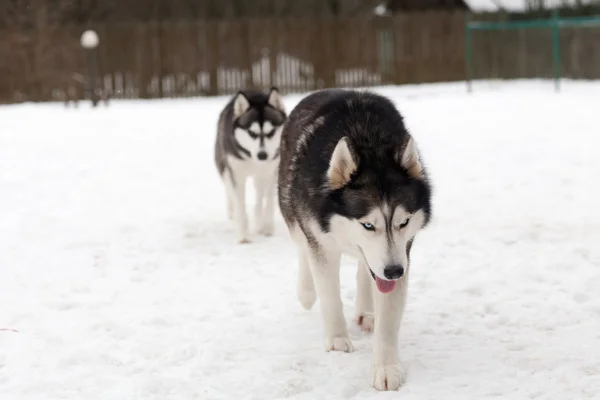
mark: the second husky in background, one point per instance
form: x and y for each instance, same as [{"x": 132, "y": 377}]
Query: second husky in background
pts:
[{"x": 248, "y": 137}]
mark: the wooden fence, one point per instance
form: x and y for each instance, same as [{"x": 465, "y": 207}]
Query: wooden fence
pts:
[{"x": 159, "y": 60}]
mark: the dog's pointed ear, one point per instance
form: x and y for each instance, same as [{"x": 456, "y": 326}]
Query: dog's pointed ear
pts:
[
  {"x": 240, "y": 104},
  {"x": 275, "y": 100},
  {"x": 408, "y": 157},
  {"x": 343, "y": 163}
]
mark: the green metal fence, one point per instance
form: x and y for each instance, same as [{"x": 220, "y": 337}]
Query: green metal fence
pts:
[{"x": 554, "y": 24}]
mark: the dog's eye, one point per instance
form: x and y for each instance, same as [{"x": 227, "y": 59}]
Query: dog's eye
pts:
[
  {"x": 403, "y": 224},
  {"x": 368, "y": 226}
]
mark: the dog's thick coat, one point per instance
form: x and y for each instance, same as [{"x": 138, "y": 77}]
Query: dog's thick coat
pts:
[
  {"x": 351, "y": 180},
  {"x": 247, "y": 145}
]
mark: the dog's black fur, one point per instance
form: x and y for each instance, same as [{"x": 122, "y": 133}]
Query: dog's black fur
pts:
[
  {"x": 351, "y": 180},
  {"x": 377, "y": 135}
]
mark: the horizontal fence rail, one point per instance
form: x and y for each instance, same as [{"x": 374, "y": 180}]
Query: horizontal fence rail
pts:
[
  {"x": 199, "y": 58},
  {"x": 549, "y": 37}
]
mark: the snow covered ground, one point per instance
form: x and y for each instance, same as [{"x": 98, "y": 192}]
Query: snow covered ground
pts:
[
  {"x": 521, "y": 5},
  {"x": 120, "y": 277}
]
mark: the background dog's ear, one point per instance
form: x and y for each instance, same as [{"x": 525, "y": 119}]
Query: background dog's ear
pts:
[
  {"x": 342, "y": 165},
  {"x": 408, "y": 157},
  {"x": 275, "y": 99},
  {"x": 240, "y": 104}
]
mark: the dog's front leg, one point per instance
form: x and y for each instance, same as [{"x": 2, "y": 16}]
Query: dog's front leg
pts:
[
  {"x": 228, "y": 183},
  {"x": 229, "y": 206},
  {"x": 325, "y": 268},
  {"x": 388, "y": 373},
  {"x": 265, "y": 197},
  {"x": 236, "y": 189},
  {"x": 364, "y": 298},
  {"x": 306, "y": 288},
  {"x": 268, "y": 223},
  {"x": 260, "y": 188}
]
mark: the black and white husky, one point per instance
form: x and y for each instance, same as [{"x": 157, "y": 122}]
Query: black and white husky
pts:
[
  {"x": 248, "y": 138},
  {"x": 351, "y": 181}
]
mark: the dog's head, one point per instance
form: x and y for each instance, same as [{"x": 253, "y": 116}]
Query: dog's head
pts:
[
  {"x": 258, "y": 118},
  {"x": 381, "y": 199}
]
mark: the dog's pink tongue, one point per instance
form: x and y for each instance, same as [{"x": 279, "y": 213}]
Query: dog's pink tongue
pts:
[{"x": 385, "y": 286}]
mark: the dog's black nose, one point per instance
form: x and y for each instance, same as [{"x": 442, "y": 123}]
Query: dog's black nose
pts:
[
  {"x": 393, "y": 271},
  {"x": 262, "y": 155}
]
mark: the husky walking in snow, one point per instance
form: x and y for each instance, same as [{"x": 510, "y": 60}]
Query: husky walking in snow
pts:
[
  {"x": 351, "y": 181},
  {"x": 247, "y": 145}
]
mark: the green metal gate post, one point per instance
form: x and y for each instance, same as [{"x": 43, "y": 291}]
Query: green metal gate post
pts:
[
  {"x": 468, "y": 57},
  {"x": 556, "y": 59}
]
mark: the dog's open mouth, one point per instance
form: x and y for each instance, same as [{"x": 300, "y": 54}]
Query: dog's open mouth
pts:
[{"x": 383, "y": 285}]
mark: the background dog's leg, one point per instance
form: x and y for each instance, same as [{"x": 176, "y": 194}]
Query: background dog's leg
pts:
[
  {"x": 268, "y": 224},
  {"x": 364, "y": 298},
  {"x": 388, "y": 373},
  {"x": 265, "y": 197},
  {"x": 229, "y": 204},
  {"x": 237, "y": 193},
  {"x": 306, "y": 287},
  {"x": 225, "y": 178},
  {"x": 325, "y": 268},
  {"x": 260, "y": 189}
]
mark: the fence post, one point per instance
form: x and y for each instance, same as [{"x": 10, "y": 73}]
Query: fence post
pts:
[
  {"x": 556, "y": 58},
  {"x": 468, "y": 56},
  {"x": 212, "y": 32}
]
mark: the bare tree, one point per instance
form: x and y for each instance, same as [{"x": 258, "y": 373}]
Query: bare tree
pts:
[{"x": 535, "y": 5}]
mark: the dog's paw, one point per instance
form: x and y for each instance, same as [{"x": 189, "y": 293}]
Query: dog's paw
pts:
[
  {"x": 388, "y": 377},
  {"x": 243, "y": 239},
  {"x": 307, "y": 298},
  {"x": 242, "y": 234},
  {"x": 266, "y": 229},
  {"x": 365, "y": 321},
  {"x": 339, "y": 343}
]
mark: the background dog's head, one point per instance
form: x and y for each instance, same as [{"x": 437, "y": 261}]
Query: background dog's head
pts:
[
  {"x": 258, "y": 119},
  {"x": 382, "y": 199}
]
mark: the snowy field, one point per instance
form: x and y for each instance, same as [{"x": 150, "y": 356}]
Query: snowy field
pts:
[{"x": 120, "y": 277}]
